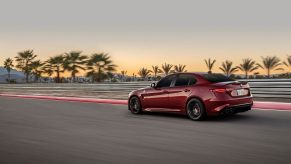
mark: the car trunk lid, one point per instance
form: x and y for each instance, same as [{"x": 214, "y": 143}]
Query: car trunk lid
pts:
[{"x": 233, "y": 88}]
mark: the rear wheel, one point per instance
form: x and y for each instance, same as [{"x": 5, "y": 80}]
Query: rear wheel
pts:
[
  {"x": 135, "y": 105},
  {"x": 195, "y": 110}
]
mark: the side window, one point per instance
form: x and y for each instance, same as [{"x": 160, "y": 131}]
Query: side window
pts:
[
  {"x": 185, "y": 80},
  {"x": 165, "y": 82}
]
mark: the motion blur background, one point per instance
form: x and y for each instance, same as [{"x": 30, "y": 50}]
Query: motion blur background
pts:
[{"x": 143, "y": 33}]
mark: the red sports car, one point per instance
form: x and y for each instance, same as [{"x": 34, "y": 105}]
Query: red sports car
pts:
[{"x": 197, "y": 95}]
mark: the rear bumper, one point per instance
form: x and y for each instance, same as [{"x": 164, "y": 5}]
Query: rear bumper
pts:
[
  {"x": 235, "y": 109},
  {"x": 217, "y": 107}
]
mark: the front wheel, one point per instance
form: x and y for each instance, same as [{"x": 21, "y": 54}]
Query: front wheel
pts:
[
  {"x": 195, "y": 110},
  {"x": 135, "y": 105}
]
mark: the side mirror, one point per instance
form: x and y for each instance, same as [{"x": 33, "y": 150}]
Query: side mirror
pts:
[{"x": 153, "y": 85}]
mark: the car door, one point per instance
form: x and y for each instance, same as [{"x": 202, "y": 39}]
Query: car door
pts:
[
  {"x": 179, "y": 93},
  {"x": 157, "y": 97}
]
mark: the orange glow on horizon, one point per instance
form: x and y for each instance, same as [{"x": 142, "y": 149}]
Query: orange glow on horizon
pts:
[{"x": 130, "y": 52}]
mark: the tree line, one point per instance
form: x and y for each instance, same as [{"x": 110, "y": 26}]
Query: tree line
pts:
[
  {"x": 99, "y": 66},
  {"x": 248, "y": 65}
]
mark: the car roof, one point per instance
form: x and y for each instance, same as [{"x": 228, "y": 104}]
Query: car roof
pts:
[
  {"x": 198, "y": 76},
  {"x": 194, "y": 73}
]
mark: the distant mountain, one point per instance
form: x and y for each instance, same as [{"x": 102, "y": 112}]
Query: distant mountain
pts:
[
  {"x": 14, "y": 74},
  {"x": 3, "y": 71}
]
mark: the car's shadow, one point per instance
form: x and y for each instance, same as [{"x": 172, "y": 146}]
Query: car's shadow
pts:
[
  {"x": 226, "y": 118},
  {"x": 231, "y": 118}
]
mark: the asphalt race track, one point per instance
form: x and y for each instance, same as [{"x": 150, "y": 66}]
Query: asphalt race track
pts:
[{"x": 52, "y": 132}]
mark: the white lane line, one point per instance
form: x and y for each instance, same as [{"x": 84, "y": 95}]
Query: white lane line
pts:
[
  {"x": 279, "y": 110},
  {"x": 272, "y": 102}
]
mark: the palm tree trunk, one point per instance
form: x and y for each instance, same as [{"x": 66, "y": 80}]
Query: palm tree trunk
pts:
[
  {"x": 9, "y": 77},
  {"x": 26, "y": 77},
  {"x": 99, "y": 74},
  {"x": 73, "y": 76},
  {"x": 98, "y": 77},
  {"x": 58, "y": 76},
  {"x": 246, "y": 75},
  {"x": 268, "y": 73}
]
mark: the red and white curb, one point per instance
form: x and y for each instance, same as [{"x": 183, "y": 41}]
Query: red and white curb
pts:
[
  {"x": 77, "y": 99},
  {"x": 272, "y": 105},
  {"x": 257, "y": 104}
]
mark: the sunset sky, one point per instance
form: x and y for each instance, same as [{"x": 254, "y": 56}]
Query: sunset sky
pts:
[{"x": 150, "y": 32}]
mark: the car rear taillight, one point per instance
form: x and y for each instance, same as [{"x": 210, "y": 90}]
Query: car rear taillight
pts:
[
  {"x": 232, "y": 92},
  {"x": 221, "y": 90}
]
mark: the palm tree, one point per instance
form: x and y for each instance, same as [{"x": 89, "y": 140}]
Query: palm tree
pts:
[
  {"x": 123, "y": 73},
  {"x": 180, "y": 68},
  {"x": 209, "y": 64},
  {"x": 156, "y": 70},
  {"x": 248, "y": 65},
  {"x": 8, "y": 64},
  {"x": 74, "y": 62},
  {"x": 36, "y": 69},
  {"x": 167, "y": 68},
  {"x": 55, "y": 64},
  {"x": 24, "y": 61},
  {"x": 144, "y": 72},
  {"x": 270, "y": 63},
  {"x": 100, "y": 65},
  {"x": 288, "y": 64},
  {"x": 227, "y": 68}
]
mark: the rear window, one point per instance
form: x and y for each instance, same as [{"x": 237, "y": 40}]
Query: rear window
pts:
[{"x": 216, "y": 78}]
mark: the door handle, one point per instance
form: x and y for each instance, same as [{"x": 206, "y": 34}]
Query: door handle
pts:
[{"x": 186, "y": 90}]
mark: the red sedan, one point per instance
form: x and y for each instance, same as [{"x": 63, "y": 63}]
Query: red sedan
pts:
[{"x": 197, "y": 95}]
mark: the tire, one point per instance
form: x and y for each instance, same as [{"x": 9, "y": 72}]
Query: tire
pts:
[
  {"x": 195, "y": 110},
  {"x": 134, "y": 105}
]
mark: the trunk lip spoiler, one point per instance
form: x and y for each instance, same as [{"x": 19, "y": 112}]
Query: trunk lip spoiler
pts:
[{"x": 225, "y": 83}]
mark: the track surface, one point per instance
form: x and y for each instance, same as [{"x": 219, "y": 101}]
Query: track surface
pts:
[{"x": 44, "y": 131}]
